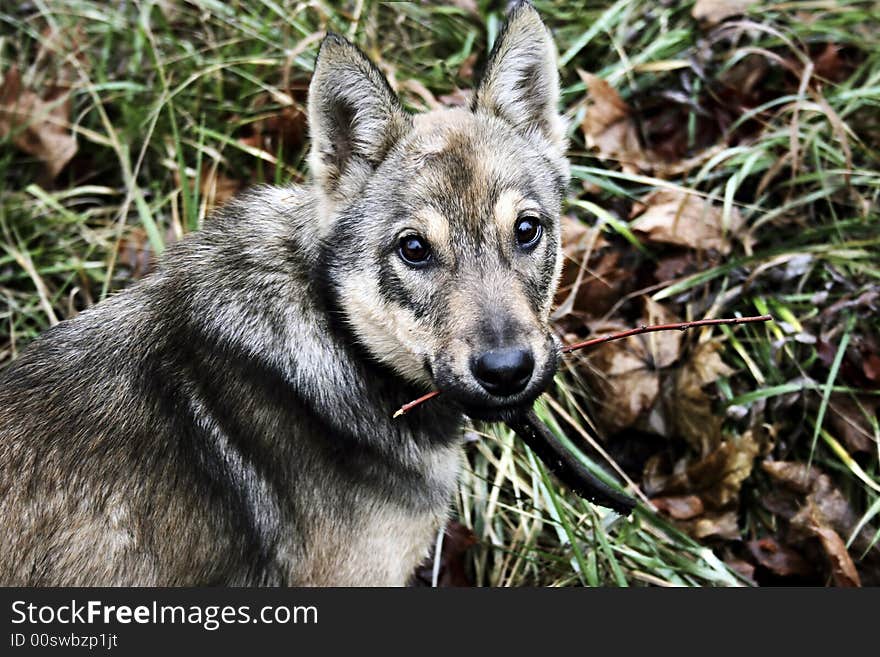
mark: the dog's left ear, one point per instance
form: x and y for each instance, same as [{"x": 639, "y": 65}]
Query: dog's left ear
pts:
[{"x": 521, "y": 84}]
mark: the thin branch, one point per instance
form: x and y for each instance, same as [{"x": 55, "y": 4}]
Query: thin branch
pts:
[
  {"x": 682, "y": 326},
  {"x": 415, "y": 402}
]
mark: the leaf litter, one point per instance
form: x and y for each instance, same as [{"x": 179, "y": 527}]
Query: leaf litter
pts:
[{"x": 707, "y": 461}]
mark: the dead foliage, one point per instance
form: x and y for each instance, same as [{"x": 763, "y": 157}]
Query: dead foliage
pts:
[
  {"x": 707, "y": 464},
  {"x": 37, "y": 124}
]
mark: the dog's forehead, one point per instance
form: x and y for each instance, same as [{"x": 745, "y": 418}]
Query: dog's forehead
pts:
[
  {"x": 461, "y": 163},
  {"x": 462, "y": 140}
]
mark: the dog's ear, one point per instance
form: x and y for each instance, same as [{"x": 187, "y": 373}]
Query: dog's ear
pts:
[
  {"x": 354, "y": 118},
  {"x": 520, "y": 84}
]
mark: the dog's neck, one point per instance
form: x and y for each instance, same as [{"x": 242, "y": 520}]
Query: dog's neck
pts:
[{"x": 293, "y": 329}]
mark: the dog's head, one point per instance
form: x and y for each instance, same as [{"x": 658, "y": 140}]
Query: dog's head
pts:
[{"x": 441, "y": 230}]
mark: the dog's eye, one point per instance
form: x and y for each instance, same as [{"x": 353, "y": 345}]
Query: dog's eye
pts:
[
  {"x": 414, "y": 250},
  {"x": 528, "y": 232}
]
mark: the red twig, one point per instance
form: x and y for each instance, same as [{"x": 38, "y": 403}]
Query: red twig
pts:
[
  {"x": 415, "y": 402},
  {"x": 682, "y": 326}
]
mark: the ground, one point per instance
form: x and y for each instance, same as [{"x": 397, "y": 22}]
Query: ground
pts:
[{"x": 725, "y": 161}]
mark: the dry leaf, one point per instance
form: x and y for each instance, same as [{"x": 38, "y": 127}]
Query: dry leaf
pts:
[
  {"x": 680, "y": 507},
  {"x": 717, "y": 524},
  {"x": 778, "y": 558},
  {"x": 288, "y": 127},
  {"x": 675, "y": 266},
  {"x": 824, "y": 516},
  {"x": 741, "y": 566},
  {"x": 280, "y": 129},
  {"x": 690, "y": 407},
  {"x": 843, "y": 570},
  {"x": 39, "y": 127},
  {"x": 713, "y": 12},
  {"x": 664, "y": 346},
  {"x": 608, "y": 127},
  {"x": 797, "y": 477},
  {"x": 625, "y": 374},
  {"x": 716, "y": 478},
  {"x": 135, "y": 253},
  {"x": 626, "y": 388},
  {"x": 593, "y": 276},
  {"x": 830, "y": 65},
  {"x": 871, "y": 367},
  {"x": 673, "y": 217}
]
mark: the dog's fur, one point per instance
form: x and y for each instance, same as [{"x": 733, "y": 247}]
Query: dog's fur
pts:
[{"x": 228, "y": 420}]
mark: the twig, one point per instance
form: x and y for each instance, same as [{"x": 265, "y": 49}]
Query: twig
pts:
[
  {"x": 682, "y": 326},
  {"x": 415, "y": 402}
]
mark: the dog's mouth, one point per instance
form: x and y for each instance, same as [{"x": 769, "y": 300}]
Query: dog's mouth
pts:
[
  {"x": 479, "y": 404},
  {"x": 500, "y": 413},
  {"x": 516, "y": 412}
]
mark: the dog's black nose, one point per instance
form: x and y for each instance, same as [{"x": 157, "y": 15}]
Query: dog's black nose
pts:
[{"x": 504, "y": 372}]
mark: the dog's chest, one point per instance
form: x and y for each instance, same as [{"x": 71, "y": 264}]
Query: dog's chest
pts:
[
  {"x": 382, "y": 549},
  {"x": 372, "y": 540}
]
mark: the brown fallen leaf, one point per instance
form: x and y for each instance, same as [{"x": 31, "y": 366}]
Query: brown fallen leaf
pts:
[
  {"x": 830, "y": 65},
  {"x": 466, "y": 68},
  {"x": 619, "y": 374},
  {"x": 674, "y": 217},
  {"x": 712, "y": 12},
  {"x": 608, "y": 126},
  {"x": 612, "y": 130},
  {"x": 741, "y": 86},
  {"x": 690, "y": 407},
  {"x": 702, "y": 496},
  {"x": 135, "y": 253},
  {"x": 37, "y": 126},
  {"x": 664, "y": 347},
  {"x": 823, "y": 514},
  {"x": 595, "y": 274},
  {"x": 281, "y": 127},
  {"x": 743, "y": 567},
  {"x": 716, "y": 478},
  {"x": 680, "y": 507},
  {"x": 625, "y": 374},
  {"x": 778, "y": 558},
  {"x": 287, "y": 127},
  {"x": 801, "y": 478},
  {"x": 715, "y": 524},
  {"x": 871, "y": 367},
  {"x": 843, "y": 570}
]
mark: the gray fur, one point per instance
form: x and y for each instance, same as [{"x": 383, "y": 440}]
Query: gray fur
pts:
[{"x": 228, "y": 420}]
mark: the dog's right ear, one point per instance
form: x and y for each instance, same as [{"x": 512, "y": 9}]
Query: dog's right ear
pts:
[{"x": 354, "y": 118}]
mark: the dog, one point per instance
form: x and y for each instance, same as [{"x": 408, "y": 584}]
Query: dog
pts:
[{"x": 228, "y": 419}]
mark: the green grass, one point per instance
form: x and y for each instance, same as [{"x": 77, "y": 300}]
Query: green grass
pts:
[{"x": 165, "y": 95}]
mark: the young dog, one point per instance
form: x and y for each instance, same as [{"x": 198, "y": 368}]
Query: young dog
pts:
[{"x": 228, "y": 420}]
